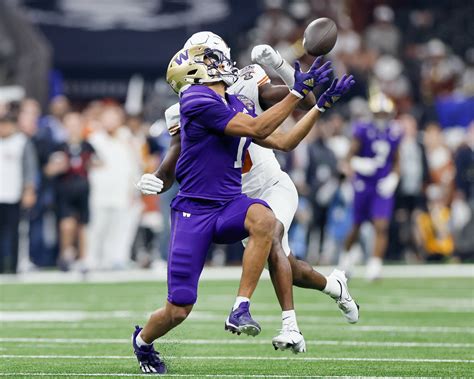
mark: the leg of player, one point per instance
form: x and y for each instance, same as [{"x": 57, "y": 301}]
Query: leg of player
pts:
[
  {"x": 260, "y": 223},
  {"x": 160, "y": 323},
  {"x": 334, "y": 285},
  {"x": 189, "y": 243},
  {"x": 374, "y": 265},
  {"x": 68, "y": 230},
  {"x": 290, "y": 336},
  {"x": 346, "y": 259}
]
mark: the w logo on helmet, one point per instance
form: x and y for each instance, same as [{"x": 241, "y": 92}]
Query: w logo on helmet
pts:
[{"x": 182, "y": 57}]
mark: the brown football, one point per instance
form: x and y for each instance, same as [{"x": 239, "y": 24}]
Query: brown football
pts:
[{"x": 320, "y": 36}]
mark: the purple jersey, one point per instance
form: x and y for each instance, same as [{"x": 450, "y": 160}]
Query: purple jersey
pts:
[
  {"x": 210, "y": 164},
  {"x": 380, "y": 144}
]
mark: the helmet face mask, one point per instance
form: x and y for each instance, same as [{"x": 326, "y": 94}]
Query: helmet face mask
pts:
[{"x": 220, "y": 66}]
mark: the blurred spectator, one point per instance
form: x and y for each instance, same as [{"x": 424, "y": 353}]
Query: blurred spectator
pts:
[
  {"x": 463, "y": 204},
  {"x": 58, "y": 108},
  {"x": 74, "y": 159},
  {"x": 147, "y": 210},
  {"x": 465, "y": 167},
  {"x": 390, "y": 79},
  {"x": 440, "y": 160},
  {"x": 433, "y": 225},
  {"x": 274, "y": 25},
  {"x": 467, "y": 80},
  {"x": 112, "y": 192},
  {"x": 18, "y": 169},
  {"x": 414, "y": 177},
  {"x": 440, "y": 71},
  {"x": 322, "y": 178},
  {"x": 383, "y": 35},
  {"x": 43, "y": 241}
]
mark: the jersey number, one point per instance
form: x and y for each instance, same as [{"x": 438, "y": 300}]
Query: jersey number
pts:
[
  {"x": 240, "y": 152},
  {"x": 381, "y": 150}
]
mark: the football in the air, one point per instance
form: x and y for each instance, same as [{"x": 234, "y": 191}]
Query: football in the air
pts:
[{"x": 320, "y": 36}]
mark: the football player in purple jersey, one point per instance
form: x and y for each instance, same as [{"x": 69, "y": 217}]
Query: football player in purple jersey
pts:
[
  {"x": 374, "y": 159},
  {"x": 262, "y": 178},
  {"x": 216, "y": 129}
]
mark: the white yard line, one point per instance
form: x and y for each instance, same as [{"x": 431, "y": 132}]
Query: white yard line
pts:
[
  {"x": 66, "y": 316},
  {"x": 338, "y": 326},
  {"x": 244, "y": 358},
  {"x": 114, "y": 375},
  {"x": 121, "y": 341},
  {"x": 230, "y": 273}
]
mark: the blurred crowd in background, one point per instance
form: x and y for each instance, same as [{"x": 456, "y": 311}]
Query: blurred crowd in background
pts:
[{"x": 68, "y": 166}]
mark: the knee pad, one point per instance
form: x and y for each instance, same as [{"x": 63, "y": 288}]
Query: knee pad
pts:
[
  {"x": 182, "y": 281},
  {"x": 182, "y": 296}
]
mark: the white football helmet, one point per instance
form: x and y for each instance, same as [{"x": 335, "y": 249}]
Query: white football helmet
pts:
[
  {"x": 211, "y": 40},
  {"x": 223, "y": 64}
]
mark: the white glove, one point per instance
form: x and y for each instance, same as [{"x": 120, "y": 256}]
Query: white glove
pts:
[
  {"x": 149, "y": 184},
  {"x": 266, "y": 55},
  {"x": 387, "y": 186},
  {"x": 364, "y": 166}
]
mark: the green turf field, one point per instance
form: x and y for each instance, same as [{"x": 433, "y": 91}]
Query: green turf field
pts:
[{"x": 408, "y": 327}]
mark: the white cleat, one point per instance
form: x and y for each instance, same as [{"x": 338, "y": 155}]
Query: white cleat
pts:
[
  {"x": 374, "y": 269},
  {"x": 289, "y": 339},
  {"x": 349, "y": 308}
]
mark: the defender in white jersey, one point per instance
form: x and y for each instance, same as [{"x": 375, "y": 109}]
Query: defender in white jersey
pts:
[{"x": 264, "y": 179}]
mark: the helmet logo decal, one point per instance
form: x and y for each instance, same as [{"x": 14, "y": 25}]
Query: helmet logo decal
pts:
[{"x": 184, "y": 56}]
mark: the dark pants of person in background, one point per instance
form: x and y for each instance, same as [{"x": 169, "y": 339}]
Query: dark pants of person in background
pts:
[{"x": 9, "y": 221}]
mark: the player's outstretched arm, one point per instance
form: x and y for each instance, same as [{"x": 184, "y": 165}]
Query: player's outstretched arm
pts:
[
  {"x": 243, "y": 125},
  {"x": 270, "y": 94},
  {"x": 289, "y": 140},
  {"x": 261, "y": 127}
]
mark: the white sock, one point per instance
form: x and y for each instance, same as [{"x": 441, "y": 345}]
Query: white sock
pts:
[
  {"x": 333, "y": 288},
  {"x": 140, "y": 342},
  {"x": 288, "y": 319},
  {"x": 375, "y": 260},
  {"x": 239, "y": 300}
]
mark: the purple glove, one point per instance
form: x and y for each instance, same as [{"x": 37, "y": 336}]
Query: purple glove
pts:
[
  {"x": 334, "y": 92},
  {"x": 306, "y": 81}
]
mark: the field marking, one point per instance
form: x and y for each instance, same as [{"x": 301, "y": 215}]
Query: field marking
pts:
[
  {"x": 339, "y": 326},
  {"x": 236, "y": 342},
  {"x": 228, "y": 273},
  {"x": 249, "y": 358},
  {"x": 174, "y": 375},
  {"x": 204, "y": 316}
]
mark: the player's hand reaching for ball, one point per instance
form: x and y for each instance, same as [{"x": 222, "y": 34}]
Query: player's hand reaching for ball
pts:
[
  {"x": 149, "y": 184},
  {"x": 334, "y": 92},
  {"x": 305, "y": 82},
  {"x": 265, "y": 55}
]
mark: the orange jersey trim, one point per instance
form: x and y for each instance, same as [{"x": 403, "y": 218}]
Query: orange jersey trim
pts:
[
  {"x": 263, "y": 80},
  {"x": 247, "y": 163}
]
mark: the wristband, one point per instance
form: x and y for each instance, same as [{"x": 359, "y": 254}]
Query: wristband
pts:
[
  {"x": 297, "y": 94},
  {"x": 322, "y": 110},
  {"x": 286, "y": 72}
]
